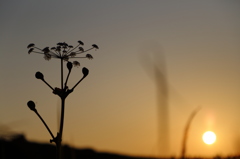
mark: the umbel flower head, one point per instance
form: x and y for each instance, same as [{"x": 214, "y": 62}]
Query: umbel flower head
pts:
[{"x": 63, "y": 51}]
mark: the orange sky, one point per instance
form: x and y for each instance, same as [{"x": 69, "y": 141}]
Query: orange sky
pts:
[{"x": 195, "y": 44}]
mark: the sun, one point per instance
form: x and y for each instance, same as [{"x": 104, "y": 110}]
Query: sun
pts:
[{"x": 209, "y": 137}]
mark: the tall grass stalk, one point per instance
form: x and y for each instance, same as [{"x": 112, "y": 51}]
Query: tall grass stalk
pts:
[{"x": 186, "y": 132}]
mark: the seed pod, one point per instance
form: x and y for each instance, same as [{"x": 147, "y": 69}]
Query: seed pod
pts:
[
  {"x": 31, "y": 105},
  {"x": 69, "y": 66},
  {"x": 30, "y": 45},
  {"x": 85, "y": 71},
  {"x": 39, "y": 75}
]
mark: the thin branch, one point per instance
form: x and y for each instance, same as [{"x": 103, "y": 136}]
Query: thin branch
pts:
[
  {"x": 37, "y": 52},
  {"x": 67, "y": 78},
  {"x": 73, "y": 48},
  {"x": 57, "y": 53},
  {"x": 78, "y": 82},
  {"x": 47, "y": 84},
  {"x": 50, "y": 132},
  {"x": 78, "y": 57},
  {"x": 37, "y": 48},
  {"x": 84, "y": 51},
  {"x": 53, "y": 54}
]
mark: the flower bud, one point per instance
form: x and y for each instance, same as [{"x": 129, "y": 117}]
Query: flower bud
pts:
[
  {"x": 80, "y": 42},
  {"x": 85, "y": 71},
  {"x": 89, "y": 56},
  {"x": 81, "y": 49},
  {"x": 69, "y": 66},
  {"x": 39, "y": 75},
  {"x": 76, "y": 63},
  {"x": 30, "y": 45},
  {"x": 31, "y": 105},
  {"x": 30, "y": 50},
  {"x": 95, "y": 46}
]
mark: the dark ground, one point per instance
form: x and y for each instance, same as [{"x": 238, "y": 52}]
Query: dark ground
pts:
[{"x": 17, "y": 147}]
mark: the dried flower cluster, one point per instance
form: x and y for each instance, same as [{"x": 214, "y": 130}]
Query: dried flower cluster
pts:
[{"x": 63, "y": 51}]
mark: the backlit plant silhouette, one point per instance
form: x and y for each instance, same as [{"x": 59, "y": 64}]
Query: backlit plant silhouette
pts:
[{"x": 63, "y": 52}]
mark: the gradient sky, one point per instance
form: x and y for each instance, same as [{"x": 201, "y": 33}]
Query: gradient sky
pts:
[{"x": 195, "y": 43}]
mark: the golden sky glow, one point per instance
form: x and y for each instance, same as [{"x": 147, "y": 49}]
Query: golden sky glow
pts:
[{"x": 194, "y": 45}]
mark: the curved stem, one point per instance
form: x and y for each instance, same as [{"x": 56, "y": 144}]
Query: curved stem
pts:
[
  {"x": 65, "y": 85},
  {"x": 44, "y": 123},
  {"x": 186, "y": 131}
]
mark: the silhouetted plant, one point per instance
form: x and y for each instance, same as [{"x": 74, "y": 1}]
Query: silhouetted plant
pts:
[
  {"x": 64, "y": 52},
  {"x": 186, "y": 131}
]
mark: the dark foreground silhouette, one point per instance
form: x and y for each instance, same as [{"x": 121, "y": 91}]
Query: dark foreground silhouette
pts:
[{"x": 17, "y": 147}]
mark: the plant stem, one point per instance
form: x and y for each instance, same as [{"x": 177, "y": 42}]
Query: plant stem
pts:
[
  {"x": 62, "y": 119},
  {"x": 186, "y": 131},
  {"x": 58, "y": 147},
  {"x": 65, "y": 85},
  {"x": 61, "y": 73},
  {"x": 47, "y": 84},
  {"x": 78, "y": 82},
  {"x": 59, "y": 135},
  {"x": 44, "y": 123}
]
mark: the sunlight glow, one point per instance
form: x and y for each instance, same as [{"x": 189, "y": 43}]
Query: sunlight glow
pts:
[{"x": 209, "y": 137}]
